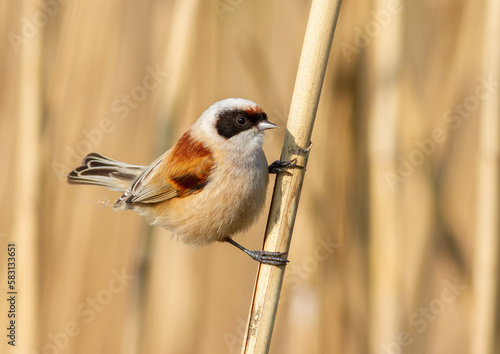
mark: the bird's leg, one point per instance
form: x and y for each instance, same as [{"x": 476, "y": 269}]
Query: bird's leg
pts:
[{"x": 265, "y": 257}]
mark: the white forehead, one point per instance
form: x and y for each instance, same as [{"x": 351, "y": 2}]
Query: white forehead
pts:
[{"x": 234, "y": 103}]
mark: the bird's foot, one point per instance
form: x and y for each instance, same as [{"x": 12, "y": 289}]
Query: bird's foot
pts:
[
  {"x": 272, "y": 258},
  {"x": 264, "y": 257},
  {"x": 278, "y": 166}
]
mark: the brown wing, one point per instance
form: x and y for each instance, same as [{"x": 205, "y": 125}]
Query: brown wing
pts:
[{"x": 181, "y": 171}]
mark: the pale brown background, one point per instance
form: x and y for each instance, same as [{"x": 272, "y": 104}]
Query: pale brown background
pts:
[{"x": 367, "y": 256}]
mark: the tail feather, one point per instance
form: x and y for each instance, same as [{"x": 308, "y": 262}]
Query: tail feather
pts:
[{"x": 99, "y": 170}]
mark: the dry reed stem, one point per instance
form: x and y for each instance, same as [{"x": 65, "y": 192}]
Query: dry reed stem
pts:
[
  {"x": 385, "y": 58},
  {"x": 485, "y": 273},
  {"x": 178, "y": 57},
  {"x": 27, "y": 189},
  {"x": 312, "y": 66}
]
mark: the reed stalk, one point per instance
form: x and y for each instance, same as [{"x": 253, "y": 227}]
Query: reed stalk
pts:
[
  {"x": 312, "y": 66},
  {"x": 25, "y": 230},
  {"x": 485, "y": 268},
  {"x": 384, "y": 61}
]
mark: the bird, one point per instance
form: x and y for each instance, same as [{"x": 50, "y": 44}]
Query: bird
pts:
[{"x": 209, "y": 186}]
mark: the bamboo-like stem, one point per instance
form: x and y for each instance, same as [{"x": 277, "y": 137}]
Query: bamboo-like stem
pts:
[
  {"x": 485, "y": 273},
  {"x": 178, "y": 56},
  {"x": 312, "y": 66},
  {"x": 384, "y": 61},
  {"x": 27, "y": 188}
]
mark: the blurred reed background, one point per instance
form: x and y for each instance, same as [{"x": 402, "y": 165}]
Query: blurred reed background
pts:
[{"x": 396, "y": 237}]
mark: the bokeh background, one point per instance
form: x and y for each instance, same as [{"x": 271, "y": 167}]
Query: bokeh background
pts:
[{"x": 396, "y": 238}]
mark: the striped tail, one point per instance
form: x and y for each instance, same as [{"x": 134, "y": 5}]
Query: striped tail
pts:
[{"x": 99, "y": 170}]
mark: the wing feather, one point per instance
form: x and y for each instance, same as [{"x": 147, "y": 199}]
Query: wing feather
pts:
[{"x": 181, "y": 171}]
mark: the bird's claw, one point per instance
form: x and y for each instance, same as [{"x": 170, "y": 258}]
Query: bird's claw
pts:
[
  {"x": 277, "y": 166},
  {"x": 266, "y": 257}
]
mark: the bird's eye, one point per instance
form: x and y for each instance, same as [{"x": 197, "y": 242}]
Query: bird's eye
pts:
[{"x": 241, "y": 120}]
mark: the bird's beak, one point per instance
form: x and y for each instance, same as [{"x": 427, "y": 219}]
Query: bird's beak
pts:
[{"x": 265, "y": 124}]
